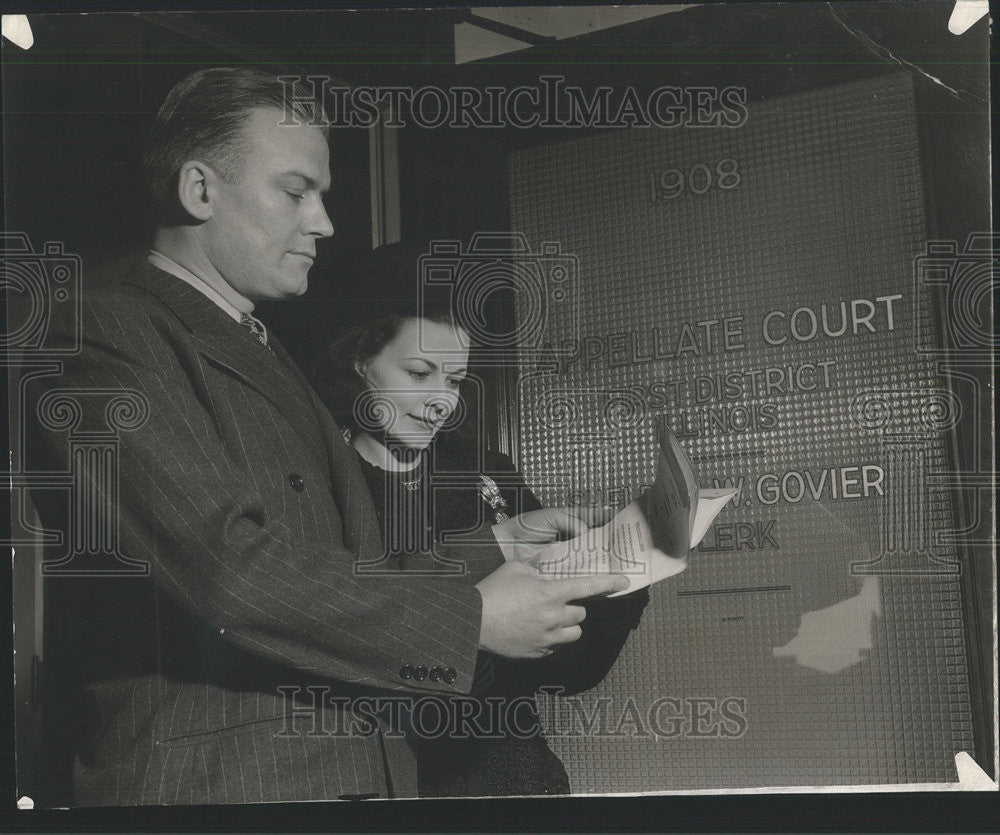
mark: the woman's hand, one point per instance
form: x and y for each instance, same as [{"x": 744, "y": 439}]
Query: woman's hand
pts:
[{"x": 522, "y": 537}]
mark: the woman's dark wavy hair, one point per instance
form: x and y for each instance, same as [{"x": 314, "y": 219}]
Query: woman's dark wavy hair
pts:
[{"x": 386, "y": 281}]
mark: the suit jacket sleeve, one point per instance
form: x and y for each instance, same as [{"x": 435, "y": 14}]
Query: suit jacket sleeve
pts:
[{"x": 216, "y": 534}]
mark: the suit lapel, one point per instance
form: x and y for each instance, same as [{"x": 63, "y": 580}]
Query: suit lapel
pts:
[{"x": 227, "y": 343}]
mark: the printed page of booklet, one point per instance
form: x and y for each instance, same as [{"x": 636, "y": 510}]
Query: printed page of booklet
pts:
[{"x": 651, "y": 539}]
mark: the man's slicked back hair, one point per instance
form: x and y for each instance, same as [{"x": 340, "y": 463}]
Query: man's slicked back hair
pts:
[{"x": 203, "y": 116}]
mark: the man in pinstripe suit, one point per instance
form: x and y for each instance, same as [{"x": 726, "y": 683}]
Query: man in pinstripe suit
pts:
[{"x": 245, "y": 663}]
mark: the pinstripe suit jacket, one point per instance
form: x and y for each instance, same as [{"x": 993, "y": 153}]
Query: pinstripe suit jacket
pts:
[{"x": 233, "y": 671}]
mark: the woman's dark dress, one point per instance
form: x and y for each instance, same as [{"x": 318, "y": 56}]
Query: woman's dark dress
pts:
[{"x": 520, "y": 761}]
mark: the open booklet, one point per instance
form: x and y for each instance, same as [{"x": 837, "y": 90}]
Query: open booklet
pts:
[{"x": 652, "y": 537}]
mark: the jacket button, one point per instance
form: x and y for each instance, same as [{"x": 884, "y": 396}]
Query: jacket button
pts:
[
  {"x": 298, "y": 485},
  {"x": 436, "y": 673},
  {"x": 450, "y": 675},
  {"x": 420, "y": 673},
  {"x": 406, "y": 671}
]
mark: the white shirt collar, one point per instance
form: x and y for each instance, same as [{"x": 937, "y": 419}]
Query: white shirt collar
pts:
[{"x": 231, "y": 302}]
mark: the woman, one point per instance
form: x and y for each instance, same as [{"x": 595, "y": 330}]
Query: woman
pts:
[{"x": 393, "y": 380}]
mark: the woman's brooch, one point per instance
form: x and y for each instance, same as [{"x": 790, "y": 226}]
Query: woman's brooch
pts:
[{"x": 491, "y": 495}]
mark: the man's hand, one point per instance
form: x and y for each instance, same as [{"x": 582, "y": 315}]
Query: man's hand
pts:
[
  {"x": 522, "y": 537},
  {"x": 527, "y": 616}
]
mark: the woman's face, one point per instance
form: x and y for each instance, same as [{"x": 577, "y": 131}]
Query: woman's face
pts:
[{"x": 413, "y": 382}]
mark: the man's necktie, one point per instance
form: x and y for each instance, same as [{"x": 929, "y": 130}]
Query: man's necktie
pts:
[{"x": 257, "y": 328}]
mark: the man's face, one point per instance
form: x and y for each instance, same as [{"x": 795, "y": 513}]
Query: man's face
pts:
[{"x": 262, "y": 234}]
